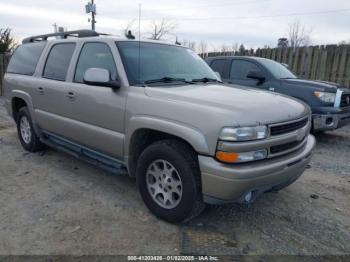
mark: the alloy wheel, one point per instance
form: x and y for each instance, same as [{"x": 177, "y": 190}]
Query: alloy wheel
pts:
[{"x": 164, "y": 184}]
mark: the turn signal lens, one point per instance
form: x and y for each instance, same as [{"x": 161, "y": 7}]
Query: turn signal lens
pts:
[
  {"x": 227, "y": 157},
  {"x": 232, "y": 157}
]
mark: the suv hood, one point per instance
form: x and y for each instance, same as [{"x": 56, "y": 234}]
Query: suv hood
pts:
[{"x": 245, "y": 106}]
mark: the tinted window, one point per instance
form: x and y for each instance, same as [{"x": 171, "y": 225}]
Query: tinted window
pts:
[
  {"x": 25, "y": 58},
  {"x": 276, "y": 69},
  {"x": 218, "y": 66},
  {"x": 97, "y": 55},
  {"x": 57, "y": 63},
  {"x": 240, "y": 69},
  {"x": 148, "y": 61}
]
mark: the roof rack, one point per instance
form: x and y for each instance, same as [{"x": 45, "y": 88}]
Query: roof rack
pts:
[{"x": 63, "y": 35}]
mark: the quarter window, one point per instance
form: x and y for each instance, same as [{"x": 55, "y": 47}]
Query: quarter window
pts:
[
  {"x": 240, "y": 69},
  {"x": 58, "y": 61},
  {"x": 25, "y": 58},
  {"x": 95, "y": 55}
]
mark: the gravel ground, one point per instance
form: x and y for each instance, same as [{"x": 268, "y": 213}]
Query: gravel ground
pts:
[{"x": 51, "y": 203}]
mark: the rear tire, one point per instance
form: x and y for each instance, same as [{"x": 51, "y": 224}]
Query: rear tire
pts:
[
  {"x": 26, "y": 133},
  {"x": 168, "y": 178}
]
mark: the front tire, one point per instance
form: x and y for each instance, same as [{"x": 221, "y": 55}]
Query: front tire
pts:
[
  {"x": 168, "y": 178},
  {"x": 26, "y": 133}
]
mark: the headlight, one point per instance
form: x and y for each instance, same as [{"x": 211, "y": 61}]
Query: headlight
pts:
[
  {"x": 325, "y": 96},
  {"x": 232, "y": 157},
  {"x": 243, "y": 133}
]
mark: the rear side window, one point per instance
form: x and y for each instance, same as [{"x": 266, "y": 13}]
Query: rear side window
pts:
[
  {"x": 25, "y": 58},
  {"x": 240, "y": 69},
  {"x": 218, "y": 66},
  {"x": 58, "y": 61},
  {"x": 95, "y": 55}
]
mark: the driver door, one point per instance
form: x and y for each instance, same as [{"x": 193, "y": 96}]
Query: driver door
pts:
[
  {"x": 239, "y": 71},
  {"x": 96, "y": 113}
]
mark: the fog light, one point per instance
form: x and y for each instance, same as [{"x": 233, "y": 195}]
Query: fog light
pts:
[
  {"x": 232, "y": 157},
  {"x": 329, "y": 121}
]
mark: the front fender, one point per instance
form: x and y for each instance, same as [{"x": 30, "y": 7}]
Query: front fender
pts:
[{"x": 190, "y": 134}]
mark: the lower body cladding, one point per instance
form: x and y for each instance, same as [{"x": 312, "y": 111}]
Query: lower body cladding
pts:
[
  {"x": 243, "y": 183},
  {"x": 331, "y": 120}
]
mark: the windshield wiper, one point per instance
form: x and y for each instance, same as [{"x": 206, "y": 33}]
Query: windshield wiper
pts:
[
  {"x": 206, "y": 80},
  {"x": 167, "y": 79}
]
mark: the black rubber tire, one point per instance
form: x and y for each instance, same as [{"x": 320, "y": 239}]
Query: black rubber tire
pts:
[
  {"x": 185, "y": 160},
  {"x": 35, "y": 144}
]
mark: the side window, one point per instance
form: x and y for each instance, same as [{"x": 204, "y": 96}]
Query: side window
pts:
[
  {"x": 95, "y": 55},
  {"x": 25, "y": 58},
  {"x": 240, "y": 69},
  {"x": 58, "y": 61},
  {"x": 218, "y": 66}
]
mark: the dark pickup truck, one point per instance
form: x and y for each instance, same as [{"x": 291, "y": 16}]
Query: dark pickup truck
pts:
[{"x": 330, "y": 103}]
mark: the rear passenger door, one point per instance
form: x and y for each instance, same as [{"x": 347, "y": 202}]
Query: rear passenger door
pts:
[
  {"x": 50, "y": 90},
  {"x": 96, "y": 113},
  {"x": 239, "y": 69}
]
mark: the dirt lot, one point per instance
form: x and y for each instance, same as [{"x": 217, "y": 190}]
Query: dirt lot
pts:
[{"x": 51, "y": 203}]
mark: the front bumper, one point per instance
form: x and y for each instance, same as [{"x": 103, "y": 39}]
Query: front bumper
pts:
[
  {"x": 330, "y": 121},
  {"x": 223, "y": 183}
]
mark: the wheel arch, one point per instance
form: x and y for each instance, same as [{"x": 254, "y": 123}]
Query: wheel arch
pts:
[
  {"x": 19, "y": 99},
  {"x": 146, "y": 130}
]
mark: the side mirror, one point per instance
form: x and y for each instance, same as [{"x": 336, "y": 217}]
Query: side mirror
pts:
[
  {"x": 258, "y": 75},
  {"x": 99, "y": 77},
  {"x": 218, "y": 75}
]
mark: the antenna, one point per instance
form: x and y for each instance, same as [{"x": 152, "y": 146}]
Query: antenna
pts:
[
  {"x": 139, "y": 62},
  {"x": 177, "y": 42}
]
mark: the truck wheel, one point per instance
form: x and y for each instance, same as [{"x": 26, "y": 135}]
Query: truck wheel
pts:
[
  {"x": 168, "y": 178},
  {"x": 29, "y": 140}
]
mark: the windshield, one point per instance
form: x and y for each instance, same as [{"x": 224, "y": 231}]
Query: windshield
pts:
[
  {"x": 158, "y": 61},
  {"x": 277, "y": 70}
]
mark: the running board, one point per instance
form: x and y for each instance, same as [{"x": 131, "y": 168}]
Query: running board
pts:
[{"x": 95, "y": 158}]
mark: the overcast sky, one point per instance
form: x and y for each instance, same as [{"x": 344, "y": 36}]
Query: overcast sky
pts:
[{"x": 255, "y": 23}]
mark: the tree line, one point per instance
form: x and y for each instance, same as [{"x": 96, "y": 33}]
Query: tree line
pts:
[{"x": 7, "y": 42}]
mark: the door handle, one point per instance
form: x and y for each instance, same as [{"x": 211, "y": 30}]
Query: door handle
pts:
[
  {"x": 71, "y": 96},
  {"x": 41, "y": 90}
]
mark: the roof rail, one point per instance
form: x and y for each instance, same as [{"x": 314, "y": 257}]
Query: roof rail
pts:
[{"x": 63, "y": 35}]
